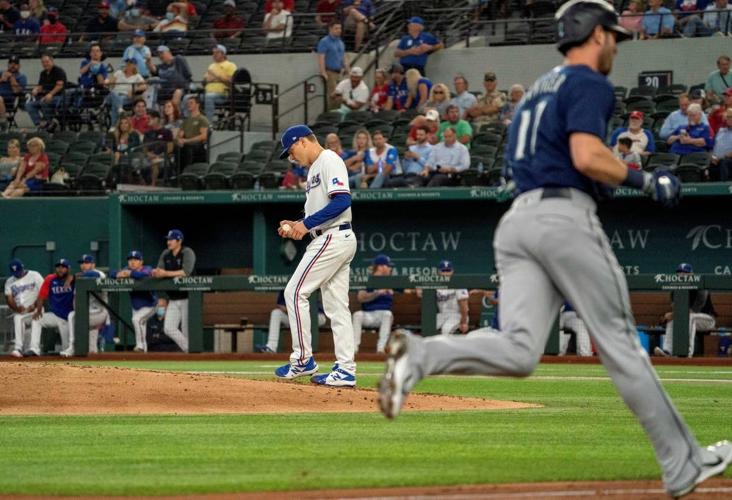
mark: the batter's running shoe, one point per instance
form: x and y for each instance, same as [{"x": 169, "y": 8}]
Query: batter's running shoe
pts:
[
  {"x": 392, "y": 391},
  {"x": 717, "y": 458},
  {"x": 338, "y": 377},
  {"x": 297, "y": 370}
]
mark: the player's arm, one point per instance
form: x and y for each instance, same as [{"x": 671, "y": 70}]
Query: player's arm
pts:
[
  {"x": 144, "y": 272},
  {"x": 11, "y": 303},
  {"x": 42, "y": 295},
  {"x": 464, "y": 318},
  {"x": 339, "y": 203},
  {"x": 364, "y": 296}
]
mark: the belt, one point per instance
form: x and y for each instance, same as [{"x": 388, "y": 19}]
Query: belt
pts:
[
  {"x": 556, "y": 192},
  {"x": 321, "y": 232}
]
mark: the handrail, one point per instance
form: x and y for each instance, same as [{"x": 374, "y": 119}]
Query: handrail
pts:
[
  {"x": 308, "y": 87},
  {"x": 384, "y": 26}
]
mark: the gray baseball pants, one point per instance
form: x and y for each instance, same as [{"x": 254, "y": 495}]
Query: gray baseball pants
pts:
[{"x": 547, "y": 250}]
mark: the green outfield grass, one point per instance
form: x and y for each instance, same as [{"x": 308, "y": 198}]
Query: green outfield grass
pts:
[{"x": 583, "y": 432}]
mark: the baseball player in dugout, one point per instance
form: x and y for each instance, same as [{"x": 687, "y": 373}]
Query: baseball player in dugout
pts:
[
  {"x": 176, "y": 261},
  {"x": 375, "y": 306},
  {"x": 59, "y": 289},
  {"x": 561, "y": 169},
  {"x": 21, "y": 294},
  {"x": 326, "y": 264},
  {"x": 98, "y": 314}
]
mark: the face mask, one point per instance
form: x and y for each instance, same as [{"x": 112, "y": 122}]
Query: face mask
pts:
[
  {"x": 170, "y": 16},
  {"x": 134, "y": 12},
  {"x": 160, "y": 311},
  {"x": 25, "y": 14}
]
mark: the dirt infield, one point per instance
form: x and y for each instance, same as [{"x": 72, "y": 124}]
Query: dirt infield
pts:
[{"x": 65, "y": 389}]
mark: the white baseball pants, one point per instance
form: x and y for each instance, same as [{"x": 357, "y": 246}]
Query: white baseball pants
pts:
[
  {"x": 697, "y": 321},
  {"x": 373, "y": 319},
  {"x": 278, "y": 319},
  {"x": 97, "y": 319},
  {"x": 570, "y": 320},
  {"x": 21, "y": 324},
  {"x": 176, "y": 323},
  {"x": 448, "y": 322},
  {"x": 139, "y": 323},
  {"x": 49, "y": 320},
  {"x": 326, "y": 265}
]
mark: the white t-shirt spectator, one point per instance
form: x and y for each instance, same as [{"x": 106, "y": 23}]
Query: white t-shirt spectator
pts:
[
  {"x": 24, "y": 290},
  {"x": 277, "y": 19},
  {"x": 123, "y": 84},
  {"x": 351, "y": 95}
]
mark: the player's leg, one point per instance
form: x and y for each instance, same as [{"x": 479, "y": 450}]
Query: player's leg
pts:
[
  {"x": 139, "y": 322},
  {"x": 64, "y": 331},
  {"x": 97, "y": 319},
  {"x": 37, "y": 326},
  {"x": 19, "y": 322},
  {"x": 358, "y": 322},
  {"x": 668, "y": 338},
  {"x": 451, "y": 324},
  {"x": 698, "y": 321},
  {"x": 386, "y": 320},
  {"x": 184, "y": 322},
  {"x": 172, "y": 322},
  {"x": 582, "y": 337},
  {"x": 440, "y": 321},
  {"x": 277, "y": 319}
]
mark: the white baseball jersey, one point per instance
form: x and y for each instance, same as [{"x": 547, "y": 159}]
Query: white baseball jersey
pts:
[
  {"x": 94, "y": 304},
  {"x": 447, "y": 300},
  {"x": 327, "y": 176},
  {"x": 24, "y": 290}
]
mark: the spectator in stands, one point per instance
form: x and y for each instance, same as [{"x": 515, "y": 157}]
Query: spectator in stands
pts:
[
  {"x": 143, "y": 302},
  {"x": 717, "y": 117},
  {"x": 229, "y": 25},
  {"x": 358, "y": 16},
  {"x": 416, "y": 46},
  {"x": 295, "y": 178},
  {"x": 693, "y": 137},
  {"x": 462, "y": 128},
  {"x": 355, "y": 157},
  {"x": 431, "y": 123},
  {"x": 125, "y": 138},
  {"x": 124, "y": 85},
  {"x": 218, "y": 81},
  {"x": 379, "y": 92},
  {"x": 332, "y": 61},
  {"x": 117, "y": 8},
  {"x": 488, "y": 108},
  {"x": 632, "y": 17},
  {"x": 137, "y": 18},
  {"x": 376, "y": 306},
  {"x": 158, "y": 142},
  {"x": 333, "y": 142},
  {"x": 102, "y": 25},
  {"x": 27, "y": 27},
  {"x": 140, "y": 119},
  {"x": 288, "y": 5},
  {"x": 380, "y": 162},
  {"x": 52, "y": 30},
  {"x": 47, "y": 94},
  {"x": 193, "y": 135},
  {"x": 326, "y": 11},
  {"x": 277, "y": 22},
  {"x": 722, "y": 153},
  {"x": 174, "y": 74},
  {"x": 155, "y": 8},
  {"x": 678, "y": 118},
  {"x": 447, "y": 159},
  {"x": 515, "y": 94},
  {"x": 38, "y": 10},
  {"x": 658, "y": 21},
  {"x": 12, "y": 85},
  {"x": 701, "y": 315},
  {"x": 92, "y": 74},
  {"x": 624, "y": 152},
  {"x": 690, "y": 22},
  {"x": 351, "y": 93},
  {"x": 32, "y": 173},
  {"x": 139, "y": 52},
  {"x": 415, "y": 160},
  {"x": 418, "y": 89},
  {"x": 641, "y": 138},
  {"x": 716, "y": 21},
  {"x": 719, "y": 80},
  {"x": 172, "y": 118},
  {"x": 699, "y": 97},
  {"x": 9, "y": 164},
  {"x": 397, "y": 93},
  {"x": 8, "y": 16},
  {"x": 175, "y": 23},
  {"x": 439, "y": 99},
  {"x": 463, "y": 99}
]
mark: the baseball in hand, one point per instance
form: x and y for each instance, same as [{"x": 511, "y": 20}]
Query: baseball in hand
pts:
[{"x": 286, "y": 228}]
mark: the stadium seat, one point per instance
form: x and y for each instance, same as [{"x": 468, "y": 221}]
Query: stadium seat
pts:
[
  {"x": 484, "y": 150},
  {"x": 700, "y": 159},
  {"x": 644, "y": 91},
  {"x": 76, "y": 157},
  {"x": 493, "y": 176},
  {"x": 664, "y": 160},
  {"x": 93, "y": 179},
  {"x": 689, "y": 173},
  {"x": 231, "y": 156},
  {"x": 487, "y": 139},
  {"x": 333, "y": 117},
  {"x": 360, "y": 116},
  {"x": 219, "y": 175},
  {"x": 242, "y": 180},
  {"x": 84, "y": 147},
  {"x": 620, "y": 92},
  {"x": 192, "y": 177}
]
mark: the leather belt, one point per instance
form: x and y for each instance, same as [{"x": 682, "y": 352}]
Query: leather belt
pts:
[
  {"x": 556, "y": 192},
  {"x": 321, "y": 232}
]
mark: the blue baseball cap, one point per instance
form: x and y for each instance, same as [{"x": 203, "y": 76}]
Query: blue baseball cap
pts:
[
  {"x": 16, "y": 268},
  {"x": 135, "y": 254},
  {"x": 415, "y": 20},
  {"x": 62, "y": 262},
  {"x": 291, "y": 136},
  {"x": 174, "y": 234},
  {"x": 684, "y": 267},
  {"x": 86, "y": 259},
  {"x": 445, "y": 266},
  {"x": 138, "y": 33},
  {"x": 382, "y": 260}
]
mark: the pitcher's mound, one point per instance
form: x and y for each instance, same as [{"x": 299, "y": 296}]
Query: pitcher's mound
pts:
[{"x": 65, "y": 389}]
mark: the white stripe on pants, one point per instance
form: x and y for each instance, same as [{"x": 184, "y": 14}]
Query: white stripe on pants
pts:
[
  {"x": 176, "y": 323},
  {"x": 49, "y": 320},
  {"x": 697, "y": 321},
  {"x": 21, "y": 323},
  {"x": 373, "y": 319},
  {"x": 97, "y": 318},
  {"x": 325, "y": 265},
  {"x": 448, "y": 322},
  {"x": 570, "y": 320},
  {"x": 139, "y": 323},
  {"x": 278, "y": 319}
]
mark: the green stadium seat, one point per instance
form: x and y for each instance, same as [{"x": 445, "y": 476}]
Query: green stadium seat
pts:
[{"x": 664, "y": 160}]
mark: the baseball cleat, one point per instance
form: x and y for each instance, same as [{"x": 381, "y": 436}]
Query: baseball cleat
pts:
[
  {"x": 391, "y": 386},
  {"x": 30, "y": 352},
  {"x": 721, "y": 457},
  {"x": 660, "y": 352},
  {"x": 338, "y": 377},
  {"x": 67, "y": 353},
  {"x": 16, "y": 354},
  {"x": 297, "y": 370}
]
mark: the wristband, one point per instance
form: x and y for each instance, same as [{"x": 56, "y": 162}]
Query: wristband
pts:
[{"x": 638, "y": 179}]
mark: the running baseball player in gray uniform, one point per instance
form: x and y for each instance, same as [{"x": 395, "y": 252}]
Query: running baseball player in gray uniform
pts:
[{"x": 550, "y": 245}]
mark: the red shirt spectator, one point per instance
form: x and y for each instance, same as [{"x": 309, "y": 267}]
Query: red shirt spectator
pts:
[
  {"x": 30, "y": 164},
  {"x": 326, "y": 9},
  {"x": 717, "y": 119},
  {"x": 140, "y": 119},
  {"x": 379, "y": 92},
  {"x": 52, "y": 30},
  {"x": 230, "y": 22},
  {"x": 431, "y": 121},
  {"x": 288, "y": 5}
]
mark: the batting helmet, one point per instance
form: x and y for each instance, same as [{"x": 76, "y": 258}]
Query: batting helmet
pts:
[
  {"x": 684, "y": 267},
  {"x": 577, "y": 19}
]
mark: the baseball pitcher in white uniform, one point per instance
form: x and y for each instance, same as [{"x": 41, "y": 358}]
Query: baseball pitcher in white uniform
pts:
[
  {"x": 326, "y": 264},
  {"x": 21, "y": 293},
  {"x": 452, "y": 305},
  {"x": 98, "y": 314}
]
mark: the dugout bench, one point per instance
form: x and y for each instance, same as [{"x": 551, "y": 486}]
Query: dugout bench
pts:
[{"x": 197, "y": 285}]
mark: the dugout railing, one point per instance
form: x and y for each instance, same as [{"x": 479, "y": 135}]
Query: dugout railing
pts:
[{"x": 679, "y": 285}]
